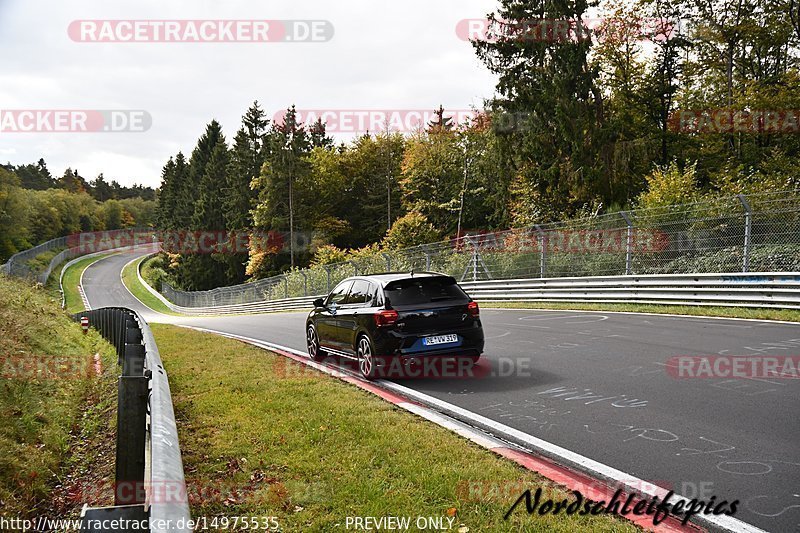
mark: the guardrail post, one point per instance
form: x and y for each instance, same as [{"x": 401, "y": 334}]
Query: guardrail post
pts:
[
  {"x": 131, "y": 438},
  {"x": 748, "y": 231},
  {"x": 629, "y": 243},
  {"x": 133, "y": 362},
  {"x": 543, "y": 248}
]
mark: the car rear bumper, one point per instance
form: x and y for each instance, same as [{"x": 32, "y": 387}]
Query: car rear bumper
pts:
[{"x": 410, "y": 346}]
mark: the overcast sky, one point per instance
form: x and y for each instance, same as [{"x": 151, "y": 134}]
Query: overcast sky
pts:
[{"x": 384, "y": 55}]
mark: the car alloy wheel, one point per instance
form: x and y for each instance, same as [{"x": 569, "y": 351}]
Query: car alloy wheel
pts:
[
  {"x": 312, "y": 341},
  {"x": 366, "y": 361}
]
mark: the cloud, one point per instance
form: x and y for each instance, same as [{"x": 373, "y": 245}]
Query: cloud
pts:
[{"x": 384, "y": 55}]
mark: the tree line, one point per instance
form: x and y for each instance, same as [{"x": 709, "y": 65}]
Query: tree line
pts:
[
  {"x": 35, "y": 207},
  {"x": 577, "y": 127}
]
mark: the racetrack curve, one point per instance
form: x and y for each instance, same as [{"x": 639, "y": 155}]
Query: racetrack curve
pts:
[{"x": 597, "y": 384}]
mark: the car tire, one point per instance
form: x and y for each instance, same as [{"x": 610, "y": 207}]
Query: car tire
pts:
[
  {"x": 366, "y": 358},
  {"x": 315, "y": 351}
]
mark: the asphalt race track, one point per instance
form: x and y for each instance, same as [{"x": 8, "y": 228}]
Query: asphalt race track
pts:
[{"x": 597, "y": 384}]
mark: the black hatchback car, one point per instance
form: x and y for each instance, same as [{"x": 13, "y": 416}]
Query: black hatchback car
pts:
[{"x": 382, "y": 320}]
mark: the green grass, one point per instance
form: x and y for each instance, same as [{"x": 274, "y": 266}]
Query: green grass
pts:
[
  {"x": 791, "y": 315},
  {"x": 72, "y": 278},
  {"x": 275, "y": 438},
  {"x": 40, "y": 262},
  {"x": 51, "y": 404},
  {"x": 146, "y": 269},
  {"x": 131, "y": 281}
]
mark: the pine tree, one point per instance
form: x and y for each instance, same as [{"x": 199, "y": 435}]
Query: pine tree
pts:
[
  {"x": 247, "y": 156},
  {"x": 166, "y": 196},
  {"x": 440, "y": 123},
  {"x": 287, "y": 161},
  {"x": 318, "y": 136},
  {"x": 246, "y": 159},
  {"x": 188, "y": 191},
  {"x": 551, "y": 105},
  {"x": 208, "y": 270},
  {"x": 198, "y": 207}
]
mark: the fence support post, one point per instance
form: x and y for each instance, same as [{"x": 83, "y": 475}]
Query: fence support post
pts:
[
  {"x": 748, "y": 231},
  {"x": 285, "y": 286},
  {"x": 355, "y": 266},
  {"x": 388, "y": 261},
  {"x": 427, "y": 253},
  {"x": 305, "y": 282},
  {"x": 474, "y": 258},
  {"x": 629, "y": 243},
  {"x": 328, "y": 272},
  {"x": 543, "y": 248}
]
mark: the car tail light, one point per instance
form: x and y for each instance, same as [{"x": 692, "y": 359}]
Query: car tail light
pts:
[
  {"x": 473, "y": 309},
  {"x": 387, "y": 317}
]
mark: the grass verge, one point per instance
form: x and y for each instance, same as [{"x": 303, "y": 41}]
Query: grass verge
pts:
[
  {"x": 790, "y": 315},
  {"x": 131, "y": 280},
  {"x": 263, "y": 435},
  {"x": 146, "y": 269},
  {"x": 52, "y": 403},
  {"x": 40, "y": 262}
]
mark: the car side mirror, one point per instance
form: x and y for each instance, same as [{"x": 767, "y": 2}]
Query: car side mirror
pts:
[{"x": 319, "y": 302}]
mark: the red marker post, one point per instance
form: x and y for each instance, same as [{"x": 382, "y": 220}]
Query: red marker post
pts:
[{"x": 85, "y": 324}]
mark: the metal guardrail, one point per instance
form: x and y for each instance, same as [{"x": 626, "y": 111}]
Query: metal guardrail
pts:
[
  {"x": 18, "y": 264},
  {"x": 764, "y": 289},
  {"x": 266, "y": 306},
  {"x": 148, "y": 457},
  {"x": 767, "y": 289}
]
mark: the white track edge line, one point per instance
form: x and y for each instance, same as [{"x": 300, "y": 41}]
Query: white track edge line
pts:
[{"x": 122, "y": 281}]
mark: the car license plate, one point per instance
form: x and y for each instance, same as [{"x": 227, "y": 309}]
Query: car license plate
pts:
[{"x": 440, "y": 339}]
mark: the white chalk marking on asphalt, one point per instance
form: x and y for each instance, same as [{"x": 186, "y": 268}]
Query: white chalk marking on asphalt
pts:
[
  {"x": 524, "y": 325},
  {"x": 507, "y": 333}
]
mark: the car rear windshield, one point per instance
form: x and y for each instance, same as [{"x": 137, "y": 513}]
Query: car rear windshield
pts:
[{"x": 424, "y": 291}]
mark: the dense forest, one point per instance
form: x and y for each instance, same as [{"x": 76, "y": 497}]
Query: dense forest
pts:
[
  {"x": 577, "y": 127},
  {"x": 36, "y": 207}
]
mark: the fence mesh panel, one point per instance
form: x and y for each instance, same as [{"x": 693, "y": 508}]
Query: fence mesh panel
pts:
[{"x": 755, "y": 233}]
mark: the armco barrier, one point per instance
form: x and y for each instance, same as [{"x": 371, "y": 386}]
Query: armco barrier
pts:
[
  {"x": 766, "y": 289},
  {"x": 18, "y": 266},
  {"x": 147, "y": 455},
  {"x": 287, "y": 304}
]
